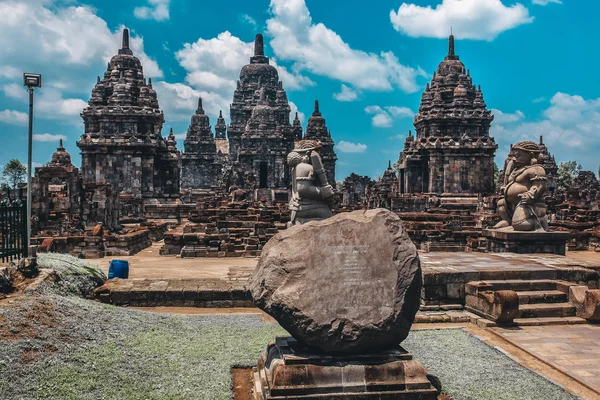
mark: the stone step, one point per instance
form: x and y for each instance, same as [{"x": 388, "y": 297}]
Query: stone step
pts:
[
  {"x": 542, "y": 296},
  {"x": 542, "y": 310},
  {"x": 549, "y": 321},
  {"x": 520, "y": 285}
]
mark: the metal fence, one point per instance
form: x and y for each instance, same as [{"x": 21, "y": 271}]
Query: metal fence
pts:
[{"x": 13, "y": 230}]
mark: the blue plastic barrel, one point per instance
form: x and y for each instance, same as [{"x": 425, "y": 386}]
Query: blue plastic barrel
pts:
[{"x": 118, "y": 269}]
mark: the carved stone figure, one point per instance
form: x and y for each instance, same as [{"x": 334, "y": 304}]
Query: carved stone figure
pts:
[
  {"x": 310, "y": 190},
  {"x": 522, "y": 204}
]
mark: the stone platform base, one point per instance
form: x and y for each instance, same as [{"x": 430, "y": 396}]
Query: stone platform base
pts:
[
  {"x": 288, "y": 371},
  {"x": 509, "y": 241}
]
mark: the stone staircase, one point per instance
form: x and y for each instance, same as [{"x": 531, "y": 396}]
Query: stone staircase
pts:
[{"x": 537, "y": 302}]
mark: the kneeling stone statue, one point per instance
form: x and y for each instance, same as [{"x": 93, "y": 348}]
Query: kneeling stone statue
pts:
[
  {"x": 311, "y": 193},
  {"x": 521, "y": 205}
]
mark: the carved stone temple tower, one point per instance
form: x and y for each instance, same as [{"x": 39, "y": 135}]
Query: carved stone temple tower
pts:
[
  {"x": 260, "y": 134},
  {"x": 452, "y": 152},
  {"x": 124, "y": 155},
  {"x": 317, "y": 130},
  {"x": 200, "y": 164},
  {"x": 56, "y": 192}
]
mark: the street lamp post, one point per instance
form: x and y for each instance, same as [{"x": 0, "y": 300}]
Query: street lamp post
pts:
[{"x": 32, "y": 81}]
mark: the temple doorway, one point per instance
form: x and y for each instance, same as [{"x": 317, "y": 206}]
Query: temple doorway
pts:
[{"x": 263, "y": 173}]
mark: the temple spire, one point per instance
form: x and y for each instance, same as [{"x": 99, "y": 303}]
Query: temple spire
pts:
[
  {"x": 60, "y": 145},
  {"x": 316, "y": 112},
  {"x": 451, "y": 45},
  {"x": 541, "y": 139},
  {"x": 200, "y": 110},
  {"x": 125, "y": 38},
  {"x": 259, "y": 46},
  {"x": 220, "y": 113},
  {"x": 389, "y": 164},
  {"x": 125, "y": 43}
]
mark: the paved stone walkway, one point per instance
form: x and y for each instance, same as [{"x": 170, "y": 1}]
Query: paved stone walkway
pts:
[
  {"x": 149, "y": 264},
  {"x": 572, "y": 349},
  {"x": 473, "y": 266}
]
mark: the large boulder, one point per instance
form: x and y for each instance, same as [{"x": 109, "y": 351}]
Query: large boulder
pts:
[{"x": 347, "y": 284}]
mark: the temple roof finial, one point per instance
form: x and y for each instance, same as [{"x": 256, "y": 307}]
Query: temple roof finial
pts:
[
  {"x": 296, "y": 115},
  {"x": 171, "y": 131},
  {"x": 259, "y": 46},
  {"x": 60, "y": 145},
  {"x": 451, "y": 44},
  {"x": 389, "y": 164},
  {"x": 200, "y": 109},
  {"x": 541, "y": 139},
  {"x": 220, "y": 113},
  {"x": 316, "y": 107},
  {"x": 125, "y": 43},
  {"x": 125, "y": 38}
]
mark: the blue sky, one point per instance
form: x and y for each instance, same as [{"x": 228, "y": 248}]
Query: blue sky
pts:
[{"x": 536, "y": 62}]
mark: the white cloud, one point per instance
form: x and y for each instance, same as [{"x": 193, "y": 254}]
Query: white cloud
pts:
[
  {"x": 157, "y": 10},
  {"x": 349, "y": 147},
  {"x": 470, "y": 19},
  {"x": 294, "y": 110},
  {"x": 248, "y": 19},
  {"x": 10, "y": 72},
  {"x": 546, "y": 2},
  {"x": 57, "y": 37},
  {"x": 504, "y": 118},
  {"x": 48, "y": 137},
  {"x": 538, "y": 100},
  {"x": 570, "y": 127},
  {"x": 180, "y": 136},
  {"x": 383, "y": 117},
  {"x": 292, "y": 80},
  {"x": 48, "y": 102},
  {"x": 14, "y": 117},
  {"x": 315, "y": 48},
  {"x": 346, "y": 94}
]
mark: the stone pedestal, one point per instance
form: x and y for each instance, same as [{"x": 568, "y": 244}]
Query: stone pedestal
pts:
[
  {"x": 510, "y": 241},
  {"x": 288, "y": 370}
]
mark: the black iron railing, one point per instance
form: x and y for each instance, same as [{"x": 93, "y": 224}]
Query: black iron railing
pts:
[{"x": 13, "y": 230}]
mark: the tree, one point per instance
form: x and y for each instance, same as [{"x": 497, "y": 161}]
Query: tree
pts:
[
  {"x": 566, "y": 174},
  {"x": 14, "y": 172}
]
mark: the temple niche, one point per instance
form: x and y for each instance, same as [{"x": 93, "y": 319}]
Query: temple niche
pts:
[
  {"x": 201, "y": 164},
  {"x": 317, "y": 130},
  {"x": 56, "y": 194},
  {"x": 123, "y": 152},
  {"x": 260, "y": 134},
  {"x": 452, "y": 151}
]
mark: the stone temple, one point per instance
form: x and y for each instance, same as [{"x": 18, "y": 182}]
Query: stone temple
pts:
[
  {"x": 452, "y": 151},
  {"x": 260, "y": 134},
  {"x": 317, "y": 130},
  {"x": 125, "y": 159},
  {"x": 201, "y": 163}
]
